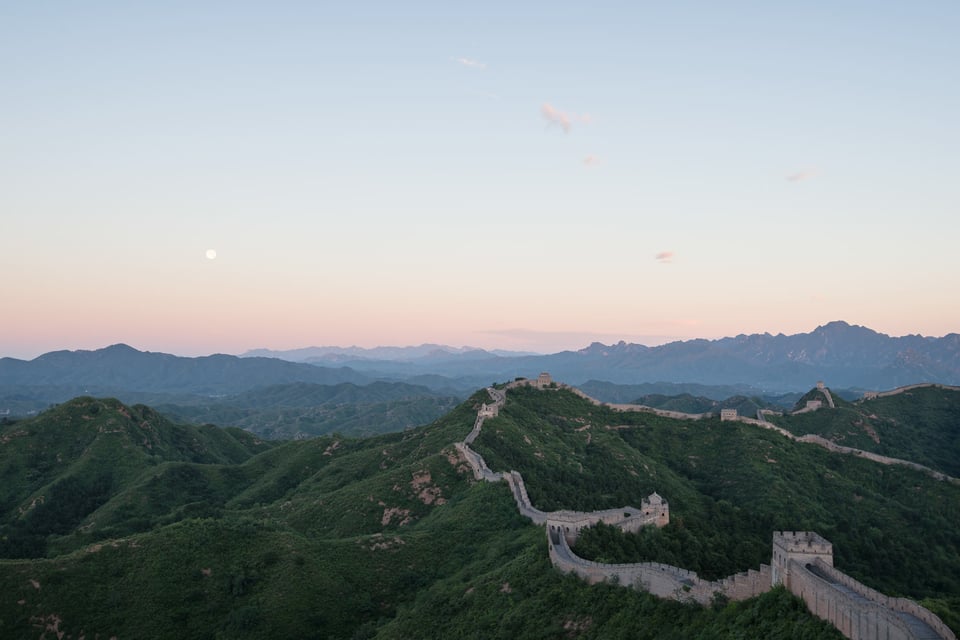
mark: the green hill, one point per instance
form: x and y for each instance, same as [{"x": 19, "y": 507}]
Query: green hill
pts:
[
  {"x": 210, "y": 533},
  {"x": 729, "y": 486},
  {"x": 62, "y": 466},
  {"x": 686, "y": 403},
  {"x": 302, "y": 410},
  {"x": 921, "y": 424}
]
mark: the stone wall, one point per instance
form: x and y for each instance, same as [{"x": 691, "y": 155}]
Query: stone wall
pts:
[
  {"x": 802, "y": 560},
  {"x": 861, "y": 612},
  {"x": 854, "y": 615},
  {"x": 519, "y": 490},
  {"x": 745, "y": 585},
  {"x": 761, "y": 422},
  {"x": 479, "y": 466},
  {"x": 637, "y": 408},
  {"x": 654, "y": 510},
  {"x": 800, "y": 546},
  {"x": 876, "y": 457},
  {"x": 663, "y": 580},
  {"x": 909, "y": 387}
]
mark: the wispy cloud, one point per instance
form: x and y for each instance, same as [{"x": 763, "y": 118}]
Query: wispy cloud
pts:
[
  {"x": 591, "y": 161},
  {"x": 469, "y": 62},
  {"x": 562, "y": 118},
  {"x": 664, "y": 257},
  {"x": 555, "y": 116},
  {"x": 804, "y": 174}
]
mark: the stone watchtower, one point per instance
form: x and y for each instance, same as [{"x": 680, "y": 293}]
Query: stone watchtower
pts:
[
  {"x": 488, "y": 411},
  {"x": 655, "y": 507},
  {"x": 801, "y": 546}
]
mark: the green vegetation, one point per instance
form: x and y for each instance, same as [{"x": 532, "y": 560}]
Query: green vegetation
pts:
[
  {"x": 729, "y": 485},
  {"x": 687, "y": 403},
  {"x": 115, "y": 521},
  {"x": 921, "y": 425},
  {"x": 302, "y": 410}
]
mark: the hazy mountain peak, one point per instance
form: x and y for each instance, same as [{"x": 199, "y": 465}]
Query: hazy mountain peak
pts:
[
  {"x": 840, "y": 327},
  {"x": 120, "y": 347}
]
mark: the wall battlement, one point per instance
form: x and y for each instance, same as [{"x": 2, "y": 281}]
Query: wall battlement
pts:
[
  {"x": 802, "y": 561},
  {"x": 802, "y": 547},
  {"x": 804, "y": 542}
]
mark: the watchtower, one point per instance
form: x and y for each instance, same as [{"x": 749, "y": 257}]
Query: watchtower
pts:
[
  {"x": 656, "y": 507},
  {"x": 801, "y": 546}
]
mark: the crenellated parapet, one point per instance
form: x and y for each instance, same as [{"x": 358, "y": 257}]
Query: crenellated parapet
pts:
[
  {"x": 859, "y": 612},
  {"x": 802, "y": 561},
  {"x": 654, "y": 511},
  {"x": 662, "y": 580},
  {"x": 799, "y": 546},
  {"x": 488, "y": 410}
]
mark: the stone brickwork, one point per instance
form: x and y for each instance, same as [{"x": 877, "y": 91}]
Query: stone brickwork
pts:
[
  {"x": 859, "y": 612},
  {"x": 654, "y": 511},
  {"x": 800, "y": 546},
  {"x": 909, "y": 387},
  {"x": 802, "y": 561},
  {"x": 663, "y": 580},
  {"x": 488, "y": 411}
]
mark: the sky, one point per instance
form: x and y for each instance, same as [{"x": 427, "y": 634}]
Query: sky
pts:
[{"x": 200, "y": 177}]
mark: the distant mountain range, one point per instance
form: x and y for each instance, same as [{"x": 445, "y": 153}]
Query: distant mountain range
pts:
[
  {"x": 123, "y": 367},
  {"x": 423, "y": 352},
  {"x": 843, "y": 355}
]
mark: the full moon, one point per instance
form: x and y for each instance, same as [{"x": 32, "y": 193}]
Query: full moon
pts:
[{"x": 211, "y": 254}]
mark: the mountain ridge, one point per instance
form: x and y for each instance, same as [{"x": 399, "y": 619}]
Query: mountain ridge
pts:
[
  {"x": 845, "y": 355},
  {"x": 389, "y": 537}
]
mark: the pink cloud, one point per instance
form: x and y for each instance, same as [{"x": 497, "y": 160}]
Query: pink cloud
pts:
[
  {"x": 804, "y": 174},
  {"x": 562, "y": 118},
  {"x": 664, "y": 257},
  {"x": 591, "y": 161},
  {"x": 555, "y": 116}
]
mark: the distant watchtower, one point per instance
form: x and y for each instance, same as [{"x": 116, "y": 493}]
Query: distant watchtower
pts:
[
  {"x": 488, "y": 411},
  {"x": 801, "y": 546},
  {"x": 544, "y": 380},
  {"x": 655, "y": 507},
  {"x": 728, "y": 414}
]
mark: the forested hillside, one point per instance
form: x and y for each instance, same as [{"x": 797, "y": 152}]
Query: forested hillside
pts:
[
  {"x": 920, "y": 424},
  {"x": 304, "y": 410},
  {"x": 202, "y": 532}
]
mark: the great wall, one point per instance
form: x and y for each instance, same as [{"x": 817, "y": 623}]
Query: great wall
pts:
[
  {"x": 761, "y": 421},
  {"x": 801, "y": 561}
]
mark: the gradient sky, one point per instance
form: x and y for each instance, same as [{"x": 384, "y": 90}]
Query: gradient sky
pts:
[{"x": 529, "y": 175}]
